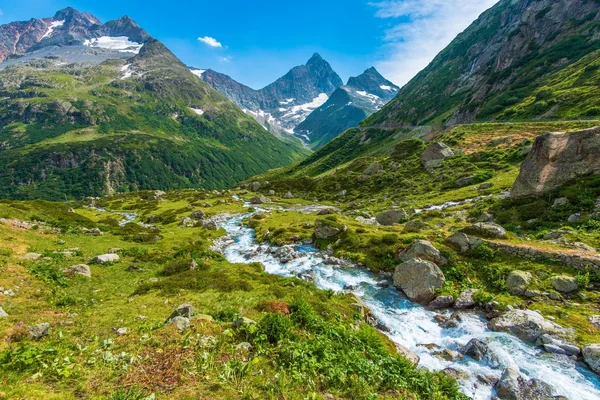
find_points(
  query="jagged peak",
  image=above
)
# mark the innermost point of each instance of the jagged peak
(316, 58)
(68, 14)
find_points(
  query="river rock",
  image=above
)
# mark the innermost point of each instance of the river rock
(107, 259)
(424, 250)
(591, 355)
(517, 282)
(441, 302)
(479, 351)
(557, 158)
(325, 229)
(463, 242)
(419, 279)
(79, 269)
(435, 154)
(39, 331)
(525, 324)
(465, 300)
(564, 283)
(553, 345)
(184, 310)
(486, 230)
(408, 354)
(389, 218)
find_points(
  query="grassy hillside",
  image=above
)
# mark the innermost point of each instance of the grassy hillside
(68, 131)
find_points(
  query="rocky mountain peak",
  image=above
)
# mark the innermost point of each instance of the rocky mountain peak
(73, 17)
(371, 81)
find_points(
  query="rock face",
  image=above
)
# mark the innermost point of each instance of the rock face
(389, 218)
(557, 158)
(419, 280)
(424, 250)
(517, 282)
(435, 154)
(525, 324)
(564, 283)
(591, 355)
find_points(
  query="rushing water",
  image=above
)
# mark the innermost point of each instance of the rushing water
(413, 326)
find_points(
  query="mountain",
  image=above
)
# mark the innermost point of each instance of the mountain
(285, 103)
(362, 96)
(92, 109)
(521, 59)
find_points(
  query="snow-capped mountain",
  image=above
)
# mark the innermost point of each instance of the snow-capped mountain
(72, 35)
(362, 96)
(284, 104)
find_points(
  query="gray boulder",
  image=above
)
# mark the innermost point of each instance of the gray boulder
(39, 331)
(373, 169)
(591, 355)
(3, 313)
(184, 310)
(463, 242)
(260, 200)
(525, 324)
(478, 350)
(327, 229)
(389, 218)
(107, 259)
(408, 354)
(564, 283)
(486, 230)
(415, 226)
(517, 282)
(464, 181)
(198, 214)
(182, 323)
(255, 186)
(556, 235)
(419, 279)
(31, 257)
(512, 386)
(557, 158)
(465, 299)
(441, 302)
(289, 195)
(79, 269)
(424, 250)
(435, 154)
(562, 201)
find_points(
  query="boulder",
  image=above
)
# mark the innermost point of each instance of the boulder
(478, 350)
(441, 302)
(182, 323)
(389, 218)
(485, 217)
(31, 257)
(260, 200)
(513, 386)
(463, 242)
(423, 250)
(591, 355)
(39, 331)
(553, 345)
(557, 158)
(595, 320)
(415, 226)
(561, 201)
(3, 313)
(435, 154)
(107, 259)
(486, 230)
(238, 323)
(187, 222)
(525, 324)
(408, 354)
(289, 195)
(373, 169)
(114, 250)
(464, 181)
(556, 235)
(184, 310)
(255, 186)
(93, 232)
(326, 211)
(419, 279)
(325, 229)
(517, 282)
(79, 269)
(198, 214)
(465, 299)
(210, 225)
(564, 283)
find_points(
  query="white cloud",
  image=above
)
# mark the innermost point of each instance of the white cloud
(421, 29)
(225, 59)
(210, 41)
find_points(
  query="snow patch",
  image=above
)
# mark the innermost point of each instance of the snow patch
(125, 69)
(385, 87)
(282, 109)
(308, 107)
(369, 96)
(197, 110)
(52, 27)
(198, 72)
(286, 102)
(119, 43)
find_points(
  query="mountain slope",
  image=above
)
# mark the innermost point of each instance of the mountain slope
(499, 62)
(283, 104)
(144, 122)
(347, 107)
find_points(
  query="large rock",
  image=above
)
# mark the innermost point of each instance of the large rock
(486, 230)
(517, 282)
(408, 354)
(512, 386)
(373, 169)
(424, 250)
(419, 279)
(435, 153)
(32, 256)
(39, 331)
(325, 229)
(184, 310)
(557, 158)
(3, 313)
(525, 324)
(260, 200)
(79, 269)
(107, 259)
(465, 299)
(441, 302)
(591, 355)
(463, 242)
(479, 351)
(564, 283)
(389, 218)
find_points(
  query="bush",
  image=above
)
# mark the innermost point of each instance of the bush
(482, 252)
(275, 327)
(228, 314)
(582, 280)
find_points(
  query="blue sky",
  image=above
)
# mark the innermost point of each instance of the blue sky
(261, 40)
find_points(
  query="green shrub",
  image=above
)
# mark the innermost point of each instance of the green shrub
(582, 280)
(275, 327)
(482, 252)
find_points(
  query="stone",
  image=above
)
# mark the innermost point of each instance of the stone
(465, 300)
(486, 230)
(575, 218)
(441, 302)
(591, 355)
(564, 283)
(408, 354)
(93, 232)
(243, 347)
(556, 235)
(255, 186)
(557, 158)
(198, 214)
(373, 169)
(423, 250)
(485, 186)
(121, 331)
(271, 193)
(289, 195)
(325, 229)
(419, 279)
(182, 323)
(107, 259)
(415, 226)
(79, 269)
(525, 324)
(260, 200)
(463, 242)
(464, 181)
(238, 323)
(3, 313)
(389, 218)
(31, 257)
(595, 320)
(517, 282)
(210, 225)
(478, 350)
(562, 201)
(485, 217)
(435, 154)
(114, 250)
(326, 211)
(507, 388)
(184, 310)
(39, 331)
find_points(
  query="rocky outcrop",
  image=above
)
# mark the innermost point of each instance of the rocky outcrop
(435, 154)
(591, 355)
(184, 310)
(419, 279)
(513, 386)
(325, 229)
(564, 283)
(463, 242)
(525, 324)
(557, 158)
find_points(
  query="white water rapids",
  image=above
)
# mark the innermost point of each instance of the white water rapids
(412, 326)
